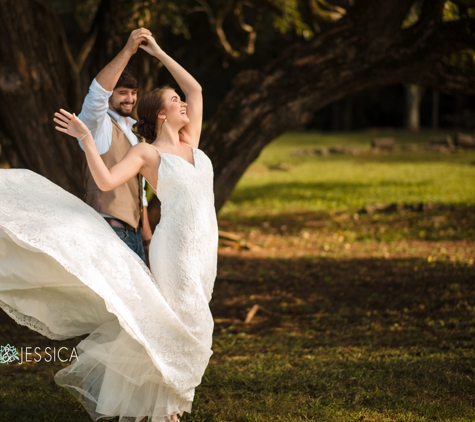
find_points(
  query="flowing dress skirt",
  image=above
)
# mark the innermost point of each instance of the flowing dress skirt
(64, 273)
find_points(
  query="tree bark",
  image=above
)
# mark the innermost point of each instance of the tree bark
(347, 58)
(435, 109)
(35, 81)
(342, 114)
(414, 94)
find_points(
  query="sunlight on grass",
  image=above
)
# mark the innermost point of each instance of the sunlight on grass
(347, 182)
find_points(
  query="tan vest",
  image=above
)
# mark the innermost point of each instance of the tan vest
(125, 201)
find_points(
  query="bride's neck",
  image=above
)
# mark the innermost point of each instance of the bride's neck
(168, 136)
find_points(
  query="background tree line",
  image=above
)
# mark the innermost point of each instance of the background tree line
(266, 66)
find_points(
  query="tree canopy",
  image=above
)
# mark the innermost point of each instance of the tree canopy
(305, 55)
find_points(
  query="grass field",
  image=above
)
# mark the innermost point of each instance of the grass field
(342, 182)
(362, 316)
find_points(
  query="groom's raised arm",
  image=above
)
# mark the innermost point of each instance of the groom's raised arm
(94, 115)
(96, 103)
(108, 77)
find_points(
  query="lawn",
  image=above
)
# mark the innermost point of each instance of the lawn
(348, 182)
(362, 316)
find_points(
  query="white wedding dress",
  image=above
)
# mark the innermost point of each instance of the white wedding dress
(64, 273)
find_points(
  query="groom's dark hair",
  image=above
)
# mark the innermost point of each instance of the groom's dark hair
(128, 78)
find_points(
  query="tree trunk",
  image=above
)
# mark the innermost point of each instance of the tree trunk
(35, 81)
(414, 94)
(342, 114)
(435, 109)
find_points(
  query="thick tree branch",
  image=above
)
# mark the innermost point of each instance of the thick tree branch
(87, 47)
(90, 41)
(339, 62)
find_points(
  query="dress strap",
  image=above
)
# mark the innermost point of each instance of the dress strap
(155, 148)
(155, 190)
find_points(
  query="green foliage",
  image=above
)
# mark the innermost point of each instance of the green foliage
(413, 15)
(319, 11)
(464, 59)
(456, 9)
(450, 11)
(290, 18)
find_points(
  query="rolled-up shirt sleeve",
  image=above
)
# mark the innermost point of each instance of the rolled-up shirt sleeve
(94, 115)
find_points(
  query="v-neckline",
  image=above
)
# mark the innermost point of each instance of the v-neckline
(173, 155)
(181, 158)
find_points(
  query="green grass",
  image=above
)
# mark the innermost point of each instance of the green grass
(362, 317)
(347, 182)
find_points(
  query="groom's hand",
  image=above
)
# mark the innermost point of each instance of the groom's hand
(136, 38)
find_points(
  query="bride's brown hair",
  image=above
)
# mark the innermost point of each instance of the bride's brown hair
(148, 108)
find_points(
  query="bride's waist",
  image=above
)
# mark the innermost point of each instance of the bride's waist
(187, 220)
(176, 212)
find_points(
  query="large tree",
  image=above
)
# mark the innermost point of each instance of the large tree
(347, 46)
(36, 78)
(368, 46)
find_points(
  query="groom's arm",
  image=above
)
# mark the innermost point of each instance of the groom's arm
(94, 115)
(96, 103)
(107, 78)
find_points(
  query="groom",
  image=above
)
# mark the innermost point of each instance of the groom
(106, 111)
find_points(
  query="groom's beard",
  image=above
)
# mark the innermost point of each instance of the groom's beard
(125, 113)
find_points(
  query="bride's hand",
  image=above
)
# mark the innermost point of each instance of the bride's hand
(70, 124)
(151, 47)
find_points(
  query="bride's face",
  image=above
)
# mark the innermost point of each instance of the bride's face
(175, 109)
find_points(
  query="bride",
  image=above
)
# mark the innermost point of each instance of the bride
(150, 333)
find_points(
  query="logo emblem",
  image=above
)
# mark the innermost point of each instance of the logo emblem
(8, 354)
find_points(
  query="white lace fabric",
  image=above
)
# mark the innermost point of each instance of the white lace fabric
(64, 272)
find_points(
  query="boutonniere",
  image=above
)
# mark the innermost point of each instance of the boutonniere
(139, 137)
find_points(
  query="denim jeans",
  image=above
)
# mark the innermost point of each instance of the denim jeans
(132, 240)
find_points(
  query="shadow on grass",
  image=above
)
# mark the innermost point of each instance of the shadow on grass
(439, 223)
(334, 340)
(317, 191)
(353, 302)
(340, 340)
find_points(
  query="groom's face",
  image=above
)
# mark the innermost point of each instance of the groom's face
(123, 100)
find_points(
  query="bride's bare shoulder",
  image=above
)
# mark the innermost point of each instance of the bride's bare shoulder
(146, 152)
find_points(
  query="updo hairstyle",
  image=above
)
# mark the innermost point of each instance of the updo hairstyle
(148, 108)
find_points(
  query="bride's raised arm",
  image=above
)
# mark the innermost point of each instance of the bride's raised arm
(106, 179)
(190, 87)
